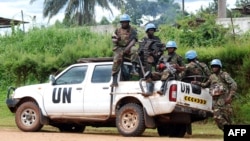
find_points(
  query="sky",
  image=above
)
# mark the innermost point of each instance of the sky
(12, 9)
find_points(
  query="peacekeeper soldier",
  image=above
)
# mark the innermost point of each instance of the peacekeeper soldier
(195, 70)
(150, 50)
(222, 88)
(124, 39)
(174, 60)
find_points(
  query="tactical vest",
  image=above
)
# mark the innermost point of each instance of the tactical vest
(124, 36)
(147, 51)
(174, 59)
(218, 86)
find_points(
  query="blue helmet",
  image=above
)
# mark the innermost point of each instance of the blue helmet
(150, 26)
(171, 44)
(216, 62)
(125, 18)
(191, 54)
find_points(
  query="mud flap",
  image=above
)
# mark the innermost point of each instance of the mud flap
(189, 129)
(43, 120)
(149, 121)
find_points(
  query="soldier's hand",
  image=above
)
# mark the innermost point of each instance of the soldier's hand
(126, 51)
(228, 100)
(161, 66)
(176, 66)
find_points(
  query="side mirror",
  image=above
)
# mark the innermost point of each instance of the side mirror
(52, 79)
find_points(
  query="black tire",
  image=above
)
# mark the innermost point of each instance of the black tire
(130, 120)
(163, 130)
(178, 130)
(28, 117)
(71, 128)
(172, 130)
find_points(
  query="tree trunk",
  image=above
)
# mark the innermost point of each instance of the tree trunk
(222, 9)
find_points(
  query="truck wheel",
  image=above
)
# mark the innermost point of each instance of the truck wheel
(178, 130)
(28, 117)
(72, 128)
(163, 130)
(130, 120)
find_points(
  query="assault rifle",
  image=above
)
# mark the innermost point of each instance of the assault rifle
(170, 68)
(150, 47)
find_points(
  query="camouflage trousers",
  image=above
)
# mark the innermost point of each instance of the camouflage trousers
(222, 112)
(119, 55)
(166, 74)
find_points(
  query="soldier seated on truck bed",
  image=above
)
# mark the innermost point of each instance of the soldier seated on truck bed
(174, 60)
(195, 70)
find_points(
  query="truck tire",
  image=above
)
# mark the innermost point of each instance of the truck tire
(130, 120)
(163, 130)
(178, 130)
(172, 130)
(28, 117)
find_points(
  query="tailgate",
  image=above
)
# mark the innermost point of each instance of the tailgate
(193, 96)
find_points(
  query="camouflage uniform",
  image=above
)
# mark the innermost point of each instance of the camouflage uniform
(172, 59)
(198, 69)
(150, 50)
(221, 86)
(124, 38)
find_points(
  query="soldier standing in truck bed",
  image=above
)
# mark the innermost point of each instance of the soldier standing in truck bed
(150, 50)
(124, 39)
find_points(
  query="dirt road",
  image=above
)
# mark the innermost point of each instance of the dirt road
(13, 134)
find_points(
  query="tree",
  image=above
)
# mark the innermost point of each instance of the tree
(79, 12)
(241, 3)
(212, 8)
(160, 11)
(104, 21)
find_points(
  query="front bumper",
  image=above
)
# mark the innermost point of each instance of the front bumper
(11, 103)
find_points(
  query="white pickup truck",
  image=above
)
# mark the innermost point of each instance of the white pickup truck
(81, 96)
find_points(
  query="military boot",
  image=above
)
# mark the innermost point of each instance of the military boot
(114, 83)
(162, 88)
(133, 71)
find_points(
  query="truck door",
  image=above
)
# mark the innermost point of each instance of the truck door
(97, 92)
(65, 97)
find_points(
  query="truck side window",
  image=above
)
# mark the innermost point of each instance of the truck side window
(74, 75)
(102, 74)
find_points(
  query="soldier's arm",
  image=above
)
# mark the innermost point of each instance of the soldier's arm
(204, 85)
(232, 87)
(231, 83)
(129, 46)
(180, 66)
(133, 40)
